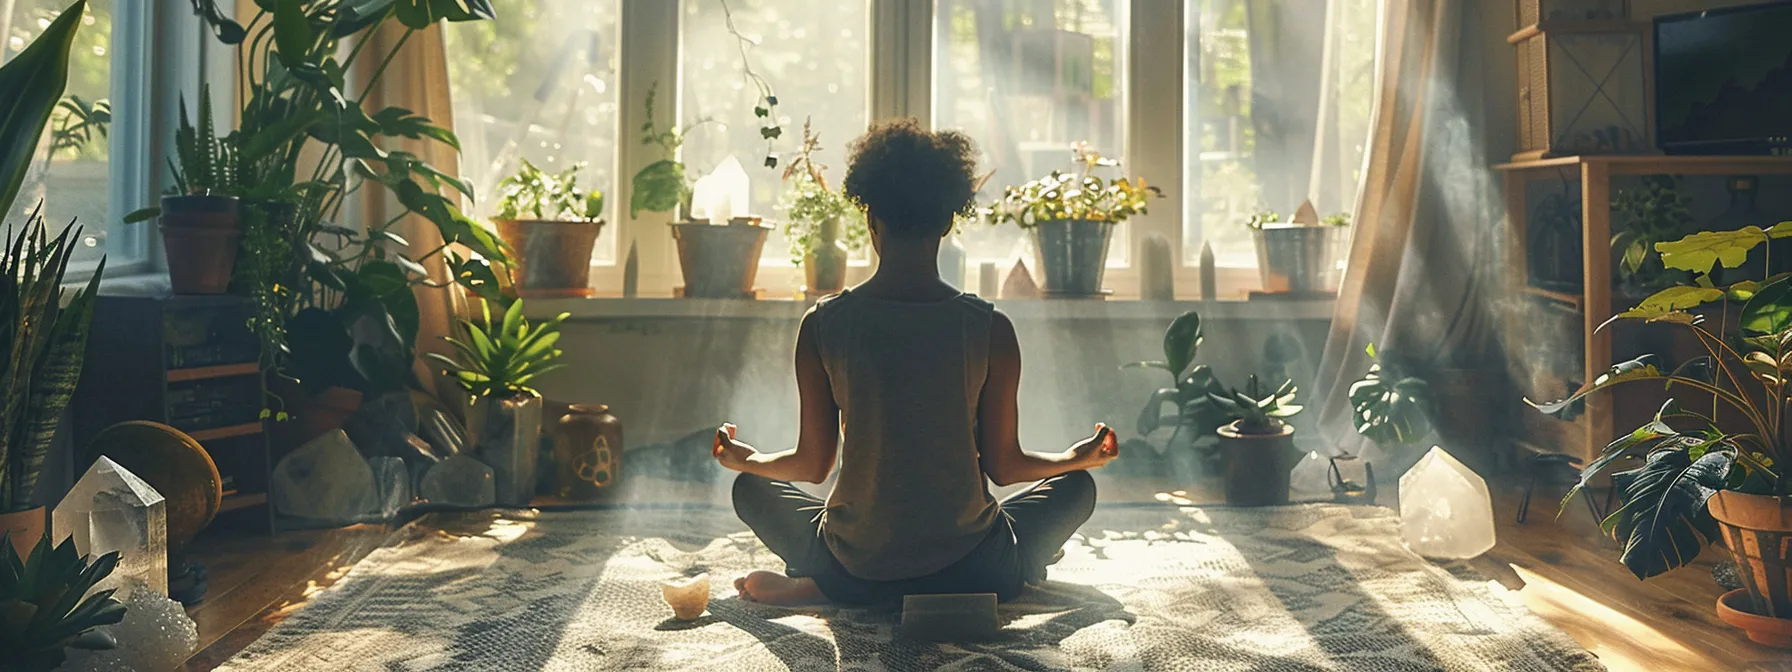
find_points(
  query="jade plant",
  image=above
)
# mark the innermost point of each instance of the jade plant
(1080, 195)
(1255, 410)
(1724, 426)
(500, 356)
(533, 193)
(45, 605)
(1390, 409)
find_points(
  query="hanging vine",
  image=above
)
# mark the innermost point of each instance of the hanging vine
(766, 109)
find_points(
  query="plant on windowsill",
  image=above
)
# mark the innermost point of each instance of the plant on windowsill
(495, 362)
(45, 606)
(551, 225)
(1299, 255)
(201, 221)
(1196, 416)
(1257, 447)
(1719, 472)
(824, 226)
(45, 341)
(1072, 218)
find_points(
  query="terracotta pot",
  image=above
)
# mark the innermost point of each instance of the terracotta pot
(1736, 608)
(313, 415)
(1256, 466)
(25, 527)
(587, 452)
(1758, 531)
(551, 256)
(200, 235)
(720, 262)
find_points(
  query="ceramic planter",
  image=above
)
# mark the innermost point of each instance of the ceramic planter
(553, 257)
(1256, 466)
(720, 261)
(200, 235)
(587, 452)
(1073, 256)
(25, 528)
(506, 435)
(1300, 259)
(1758, 531)
(824, 269)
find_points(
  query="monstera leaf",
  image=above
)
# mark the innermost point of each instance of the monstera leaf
(1663, 523)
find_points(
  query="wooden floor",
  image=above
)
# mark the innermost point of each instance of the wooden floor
(1563, 570)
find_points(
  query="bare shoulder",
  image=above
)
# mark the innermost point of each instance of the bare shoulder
(1004, 345)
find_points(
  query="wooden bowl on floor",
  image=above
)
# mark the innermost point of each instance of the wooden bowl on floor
(1735, 608)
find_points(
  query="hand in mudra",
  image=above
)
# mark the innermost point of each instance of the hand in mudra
(1098, 450)
(730, 453)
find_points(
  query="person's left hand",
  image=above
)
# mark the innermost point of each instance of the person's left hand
(730, 453)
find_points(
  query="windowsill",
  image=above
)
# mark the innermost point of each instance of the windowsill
(1019, 309)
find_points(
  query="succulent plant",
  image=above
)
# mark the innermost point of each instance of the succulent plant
(501, 356)
(44, 605)
(1256, 412)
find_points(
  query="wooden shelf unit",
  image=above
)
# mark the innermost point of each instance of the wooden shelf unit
(1594, 428)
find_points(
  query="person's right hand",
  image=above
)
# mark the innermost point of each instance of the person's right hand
(730, 452)
(1098, 450)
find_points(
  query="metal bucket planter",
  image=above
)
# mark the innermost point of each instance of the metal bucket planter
(1256, 466)
(1073, 256)
(554, 257)
(720, 261)
(199, 237)
(506, 434)
(1300, 259)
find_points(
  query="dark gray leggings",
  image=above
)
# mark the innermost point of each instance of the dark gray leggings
(1034, 526)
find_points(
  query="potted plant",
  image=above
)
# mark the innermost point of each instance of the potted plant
(1299, 256)
(552, 226)
(45, 341)
(823, 226)
(495, 363)
(1196, 415)
(1652, 213)
(45, 605)
(200, 215)
(1714, 472)
(1072, 218)
(1257, 449)
(1392, 410)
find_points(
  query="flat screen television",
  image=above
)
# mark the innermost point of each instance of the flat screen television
(1723, 80)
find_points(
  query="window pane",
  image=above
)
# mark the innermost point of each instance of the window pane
(69, 173)
(1278, 97)
(1026, 80)
(815, 57)
(539, 84)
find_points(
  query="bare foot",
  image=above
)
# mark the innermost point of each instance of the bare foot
(773, 588)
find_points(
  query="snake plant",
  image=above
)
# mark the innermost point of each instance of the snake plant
(45, 606)
(500, 357)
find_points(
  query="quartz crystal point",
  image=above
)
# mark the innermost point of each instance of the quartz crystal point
(1445, 511)
(325, 480)
(110, 509)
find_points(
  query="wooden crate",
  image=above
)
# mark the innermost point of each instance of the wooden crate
(1533, 12)
(1583, 89)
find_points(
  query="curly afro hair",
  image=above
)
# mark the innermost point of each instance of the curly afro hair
(911, 180)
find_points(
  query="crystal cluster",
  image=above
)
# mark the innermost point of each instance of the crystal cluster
(156, 634)
(111, 509)
(1445, 511)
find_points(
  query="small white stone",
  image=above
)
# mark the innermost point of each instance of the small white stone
(1445, 510)
(687, 596)
(111, 509)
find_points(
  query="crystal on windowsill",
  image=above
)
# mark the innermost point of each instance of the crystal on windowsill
(1445, 510)
(111, 509)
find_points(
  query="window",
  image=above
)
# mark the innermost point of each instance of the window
(1278, 111)
(814, 55)
(70, 175)
(540, 85)
(1026, 81)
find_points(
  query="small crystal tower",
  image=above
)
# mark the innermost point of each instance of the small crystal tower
(1445, 511)
(110, 509)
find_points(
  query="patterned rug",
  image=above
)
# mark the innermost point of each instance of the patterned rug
(1315, 587)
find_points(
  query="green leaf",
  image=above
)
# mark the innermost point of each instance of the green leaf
(1181, 341)
(292, 33)
(1699, 251)
(1622, 372)
(1669, 300)
(419, 14)
(1769, 311)
(659, 187)
(1663, 523)
(30, 84)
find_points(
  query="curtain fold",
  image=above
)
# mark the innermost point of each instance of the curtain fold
(1423, 260)
(417, 79)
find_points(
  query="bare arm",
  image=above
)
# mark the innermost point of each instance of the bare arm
(818, 439)
(998, 422)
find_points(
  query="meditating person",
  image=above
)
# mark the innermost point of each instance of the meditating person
(926, 380)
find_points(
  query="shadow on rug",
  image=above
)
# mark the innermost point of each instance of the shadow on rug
(1316, 587)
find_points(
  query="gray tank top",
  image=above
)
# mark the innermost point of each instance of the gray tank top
(911, 498)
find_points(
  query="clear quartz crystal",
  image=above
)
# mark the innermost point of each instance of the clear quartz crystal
(110, 509)
(156, 634)
(1445, 511)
